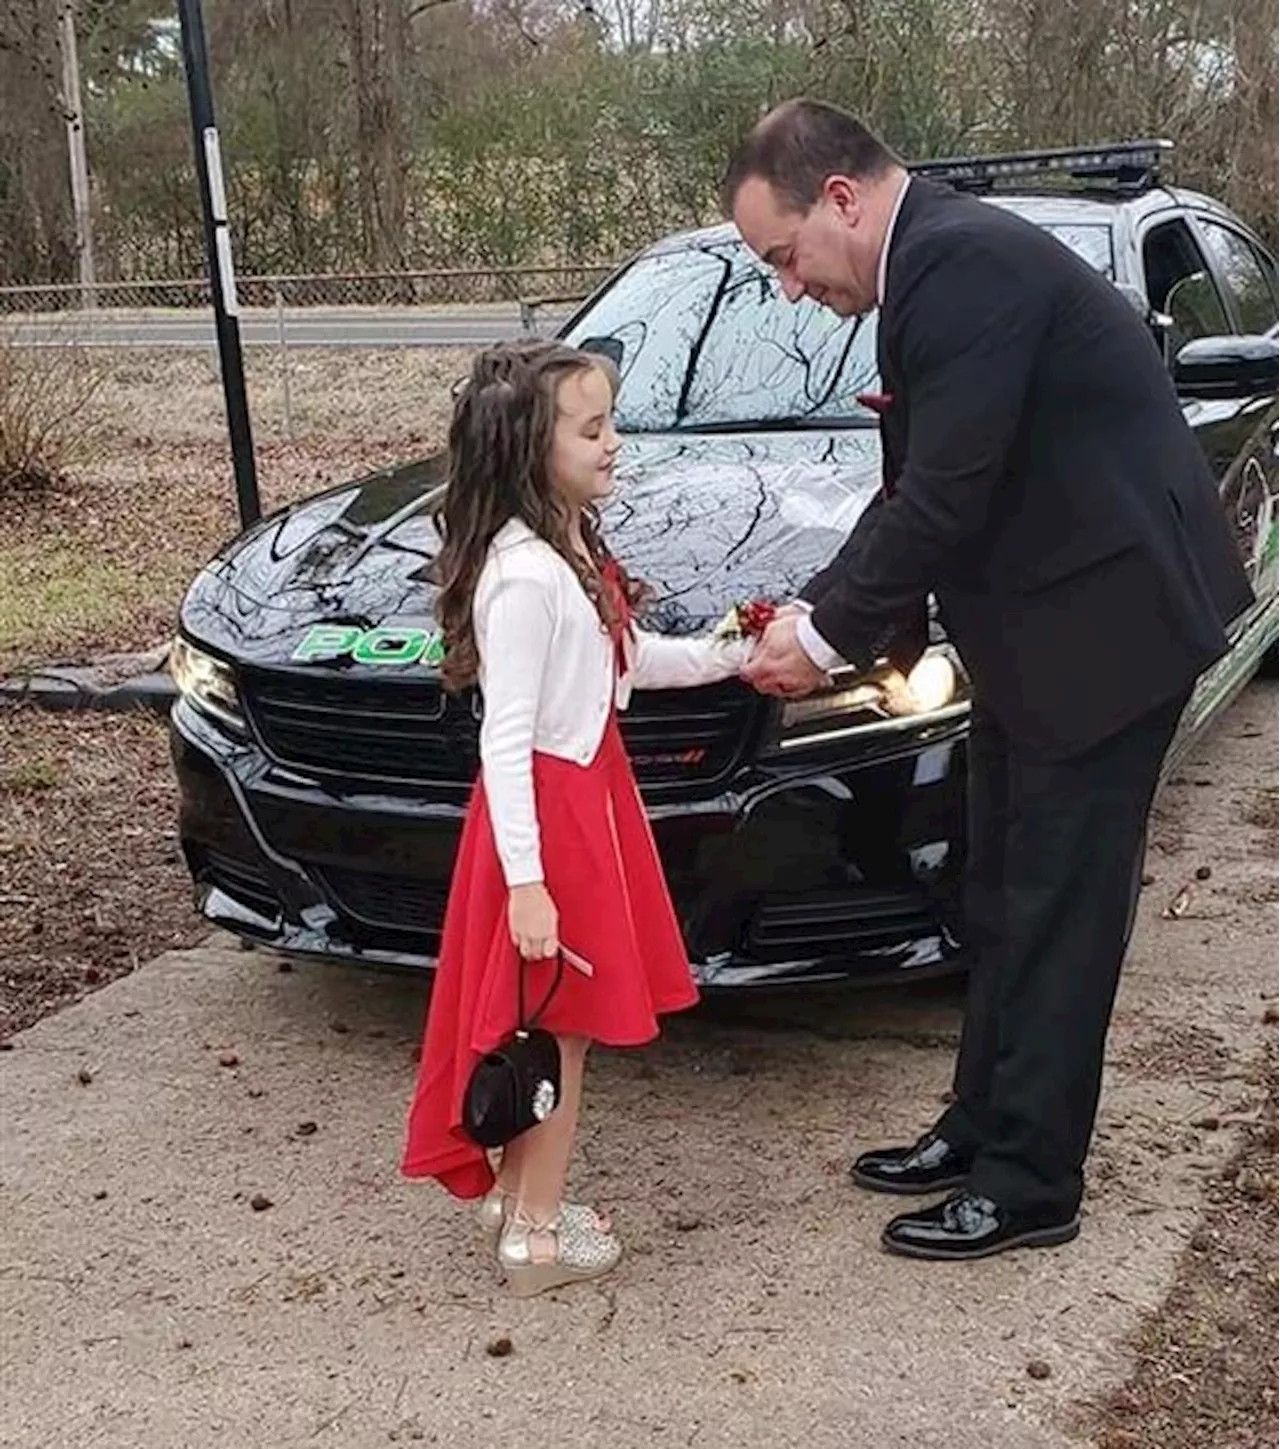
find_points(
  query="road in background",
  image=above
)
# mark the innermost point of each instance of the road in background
(454, 326)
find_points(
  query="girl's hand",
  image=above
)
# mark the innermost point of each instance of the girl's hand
(534, 921)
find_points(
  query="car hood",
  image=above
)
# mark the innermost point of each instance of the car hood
(705, 520)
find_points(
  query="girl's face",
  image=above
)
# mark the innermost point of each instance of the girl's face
(585, 442)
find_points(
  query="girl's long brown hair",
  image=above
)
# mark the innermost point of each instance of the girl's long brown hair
(499, 453)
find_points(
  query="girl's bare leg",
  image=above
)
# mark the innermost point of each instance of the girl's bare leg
(509, 1171)
(508, 1175)
(542, 1153)
(542, 1246)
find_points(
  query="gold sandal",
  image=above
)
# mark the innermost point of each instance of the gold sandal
(582, 1252)
(496, 1205)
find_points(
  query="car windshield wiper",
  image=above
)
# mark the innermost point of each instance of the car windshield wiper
(808, 424)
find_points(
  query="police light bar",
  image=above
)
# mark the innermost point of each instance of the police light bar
(1132, 165)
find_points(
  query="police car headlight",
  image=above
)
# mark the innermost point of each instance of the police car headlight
(208, 683)
(878, 702)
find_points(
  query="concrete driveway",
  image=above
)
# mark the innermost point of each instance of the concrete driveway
(149, 1305)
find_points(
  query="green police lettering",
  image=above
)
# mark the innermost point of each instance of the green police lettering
(390, 646)
(326, 641)
(386, 645)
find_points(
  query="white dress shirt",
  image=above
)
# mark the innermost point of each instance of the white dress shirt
(548, 675)
(813, 644)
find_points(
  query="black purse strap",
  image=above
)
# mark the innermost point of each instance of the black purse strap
(521, 1023)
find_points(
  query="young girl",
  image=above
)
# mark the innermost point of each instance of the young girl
(556, 851)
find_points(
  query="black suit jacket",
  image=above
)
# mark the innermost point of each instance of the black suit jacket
(1040, 479)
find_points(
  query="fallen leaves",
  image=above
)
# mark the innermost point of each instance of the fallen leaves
(1205, 1363)
(73, 919)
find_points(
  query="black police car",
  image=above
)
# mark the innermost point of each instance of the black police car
(324, 772)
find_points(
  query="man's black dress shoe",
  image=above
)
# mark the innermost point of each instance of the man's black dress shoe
(929, 1165)
(968, 1226)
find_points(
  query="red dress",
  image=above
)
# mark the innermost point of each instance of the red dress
(603, 873)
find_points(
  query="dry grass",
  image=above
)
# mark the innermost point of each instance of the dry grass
(342, 395)
(100, 562)
(48, 421)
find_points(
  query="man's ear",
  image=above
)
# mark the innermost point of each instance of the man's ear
(844, 193)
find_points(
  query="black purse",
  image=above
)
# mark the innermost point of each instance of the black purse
(517, 1085)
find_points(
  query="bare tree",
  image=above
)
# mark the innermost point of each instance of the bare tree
(37, 229)
(385, 133)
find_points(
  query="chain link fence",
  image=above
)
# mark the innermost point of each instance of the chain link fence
(456, 286)
(359, 355)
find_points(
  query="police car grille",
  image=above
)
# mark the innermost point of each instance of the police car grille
(387, 902)
(415, 732)
(365, 731)
(676, 735)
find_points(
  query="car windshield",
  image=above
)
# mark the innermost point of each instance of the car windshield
(1090, 240)
(706, 342)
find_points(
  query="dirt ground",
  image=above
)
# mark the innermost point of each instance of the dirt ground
(77, 791)
(1205, 1362)
(1176, 1346)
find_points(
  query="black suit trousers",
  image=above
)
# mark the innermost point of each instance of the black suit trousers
(1055, 859)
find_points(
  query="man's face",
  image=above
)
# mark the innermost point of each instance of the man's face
(821, 253)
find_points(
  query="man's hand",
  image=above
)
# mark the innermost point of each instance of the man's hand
(779, 664)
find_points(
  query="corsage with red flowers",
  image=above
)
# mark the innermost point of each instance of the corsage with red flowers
(746, 621)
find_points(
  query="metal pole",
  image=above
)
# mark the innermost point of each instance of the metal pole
(282, 343)
(217, 238)
(73, 111)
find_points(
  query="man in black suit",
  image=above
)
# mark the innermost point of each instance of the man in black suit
(1040, 480)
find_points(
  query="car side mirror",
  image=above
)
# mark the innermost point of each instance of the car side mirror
(1226, 367)
(610, 347)
(1160, 324)
(1136, 298)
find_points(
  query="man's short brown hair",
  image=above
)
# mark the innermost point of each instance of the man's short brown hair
(797, 146)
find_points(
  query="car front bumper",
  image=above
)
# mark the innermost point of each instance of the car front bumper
(845, 868)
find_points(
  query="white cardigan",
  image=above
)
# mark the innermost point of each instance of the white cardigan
(548, 676)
